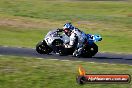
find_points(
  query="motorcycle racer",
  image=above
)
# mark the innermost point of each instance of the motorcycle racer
(77, 38)
(69, 41)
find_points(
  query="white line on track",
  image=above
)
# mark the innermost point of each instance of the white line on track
(19, 47)
(53, 59)
(64, 60)
(105, 63)
(91, 62)
(5, 46)
(1, 55)
(39, 58)
(113, 64)
(78, 61)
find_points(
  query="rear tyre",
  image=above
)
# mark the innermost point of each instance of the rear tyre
(93, 49)
(86, 52)
(43, 48)
(89, 50)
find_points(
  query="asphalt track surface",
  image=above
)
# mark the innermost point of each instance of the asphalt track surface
(99, 57)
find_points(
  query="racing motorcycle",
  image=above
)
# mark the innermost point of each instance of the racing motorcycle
(55, 40)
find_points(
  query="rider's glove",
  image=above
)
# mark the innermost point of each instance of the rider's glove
(67, 46)
(59, 30)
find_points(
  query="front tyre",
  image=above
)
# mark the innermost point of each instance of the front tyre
(43, 48)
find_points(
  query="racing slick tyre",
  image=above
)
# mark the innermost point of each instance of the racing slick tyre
(43, 48)
(93, 49)
(86, 52)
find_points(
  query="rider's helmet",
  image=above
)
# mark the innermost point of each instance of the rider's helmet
(68, 28)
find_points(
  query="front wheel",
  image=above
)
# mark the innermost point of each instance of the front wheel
(43, 48)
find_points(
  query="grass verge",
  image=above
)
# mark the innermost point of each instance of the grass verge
(27, 72)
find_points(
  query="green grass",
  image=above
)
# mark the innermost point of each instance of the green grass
(24, 23)
(67, 10)
(25, 38)
(27, 72)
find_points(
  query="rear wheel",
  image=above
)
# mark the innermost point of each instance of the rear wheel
(43, 48)
(86, 52)
(89, 50)
(93, 49)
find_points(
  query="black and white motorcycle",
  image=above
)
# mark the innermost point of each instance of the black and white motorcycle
(54, 42)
